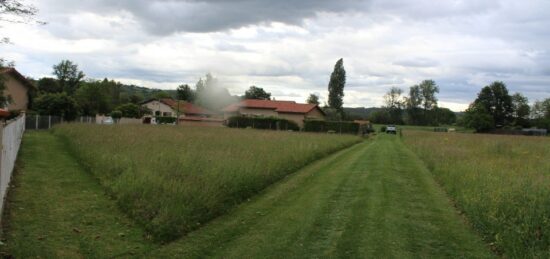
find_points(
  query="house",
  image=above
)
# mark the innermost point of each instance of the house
(189, 114)
(168, 107)
(289, 110)
(16, 87)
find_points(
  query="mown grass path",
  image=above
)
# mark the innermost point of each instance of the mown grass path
(373, 200)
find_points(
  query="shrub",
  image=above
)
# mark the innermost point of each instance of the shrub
(336, 126)
(165, 120)
(383, 129)
(116, 114)
(273, 123)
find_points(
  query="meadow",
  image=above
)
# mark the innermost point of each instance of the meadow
(501, 183)
(171, 180)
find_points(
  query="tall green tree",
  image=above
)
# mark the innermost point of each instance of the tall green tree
(313, 99)
(413, 103)
(394, 105)
(479, 118)
(255, 92)
(428, 90)
(497, 102)
(68, 76)
(185, 93)
(336, 87)
(94, 98)
(520, 105)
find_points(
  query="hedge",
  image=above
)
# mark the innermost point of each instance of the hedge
(165, 120)
(335, 126)
(272, 123)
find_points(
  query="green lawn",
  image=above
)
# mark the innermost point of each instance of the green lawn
(375, 199)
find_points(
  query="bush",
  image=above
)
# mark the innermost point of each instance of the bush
(116, 114)
(129, 110)
(336, 126)
(272, 123)
(58, 104)
(165, 120)
(383, 129)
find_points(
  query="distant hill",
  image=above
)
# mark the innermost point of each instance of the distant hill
(360, 112)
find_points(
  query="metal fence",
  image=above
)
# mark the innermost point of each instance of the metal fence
(12, 132)
(39, 122)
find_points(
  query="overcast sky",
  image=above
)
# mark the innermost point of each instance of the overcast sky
(290, 47)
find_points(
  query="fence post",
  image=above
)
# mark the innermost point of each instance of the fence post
(36, 122)
(49, 121)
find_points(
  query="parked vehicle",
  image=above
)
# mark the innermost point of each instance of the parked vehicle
(108, 121)
(391, 129)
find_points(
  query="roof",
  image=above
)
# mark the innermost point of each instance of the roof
(278, 106)
(13, 72)
(184, 107)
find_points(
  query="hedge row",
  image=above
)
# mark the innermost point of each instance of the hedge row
(332, 126)
(165, 120)
(272, 123)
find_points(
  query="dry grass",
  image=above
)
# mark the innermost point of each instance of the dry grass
(502, 183)
(173, 179)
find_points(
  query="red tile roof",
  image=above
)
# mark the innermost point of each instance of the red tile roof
(278, 106)
(186, 107)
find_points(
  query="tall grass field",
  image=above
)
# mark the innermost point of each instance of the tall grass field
(501, 183)
(173, 179)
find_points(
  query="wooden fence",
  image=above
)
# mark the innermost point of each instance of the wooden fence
(12, 133)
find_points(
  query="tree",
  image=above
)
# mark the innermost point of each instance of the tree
(497, 102)
(48, 85)
(185, 93)
(428, 89)
(394, 105)
(478, 118)
(68, 76)
(521, 110)
(313, 99)
(257, 93)
(58, 104)
(129, 110)
(211, 95)
(94, 98)
(443, 116)
(540, 112)
(336, 87)
(159, 94)
(413, 103)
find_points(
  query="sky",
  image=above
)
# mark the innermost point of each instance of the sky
(289, 48)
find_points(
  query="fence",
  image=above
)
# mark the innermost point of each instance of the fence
(12, 132)
(36, 122)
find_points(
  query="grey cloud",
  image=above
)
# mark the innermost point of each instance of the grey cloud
(418, 62)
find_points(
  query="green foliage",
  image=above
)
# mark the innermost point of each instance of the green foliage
(165, 120)
(421, 102)
(116, 114)
(383, 129)
(497, 102)
(94, 97)
(4, 99)
(336, 87)
(68, 76)
(130, 110)
(332, 114)
(48, 85)
(394, 105)
(58, 104)
(185, 93)
(344, 127)
(520, 106)
(478, 118)
(272, 123)
(257, 93)
(174, 179)
(313, 99)
(500, 183)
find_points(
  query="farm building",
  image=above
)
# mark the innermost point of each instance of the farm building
(190, 114)
(16, 87)
(289, 110)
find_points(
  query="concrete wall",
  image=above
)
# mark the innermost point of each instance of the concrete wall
(164, 109)
(129, 121)
(201, 123)
(258, 112)
(296, 117)
(18, 93)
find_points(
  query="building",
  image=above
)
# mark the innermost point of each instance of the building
(168, 107)
(17, 87)
(289, 110)
(189, 114)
